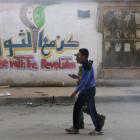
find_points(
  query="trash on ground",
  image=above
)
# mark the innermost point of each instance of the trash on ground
(7, 86)
(5, 94)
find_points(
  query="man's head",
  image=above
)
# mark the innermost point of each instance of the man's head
(77, 58)
(82, 55)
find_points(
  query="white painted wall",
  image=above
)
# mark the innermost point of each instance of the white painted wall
(61, 19)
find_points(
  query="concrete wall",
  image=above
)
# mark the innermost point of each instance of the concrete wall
(27, 58)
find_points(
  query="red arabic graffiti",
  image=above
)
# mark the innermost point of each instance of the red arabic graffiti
(23, 62)
(27, 62)
(4, 64)
(61, 63)
(19, 62)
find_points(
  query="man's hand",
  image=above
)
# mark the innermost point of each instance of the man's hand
(73, 94)
(74, 76)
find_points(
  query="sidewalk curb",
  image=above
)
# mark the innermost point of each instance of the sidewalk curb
(64, 100)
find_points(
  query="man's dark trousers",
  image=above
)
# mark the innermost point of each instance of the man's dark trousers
(88, 96)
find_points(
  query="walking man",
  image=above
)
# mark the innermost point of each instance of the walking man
(85, 109)
(86, 89)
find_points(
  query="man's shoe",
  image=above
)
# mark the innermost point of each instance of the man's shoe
(95, 133)
(72, 130)
(82, 126)
(102, 119)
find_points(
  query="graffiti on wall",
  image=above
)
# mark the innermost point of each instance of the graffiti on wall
(27, 62)
(44, 44)
(33, 43)
(19, 62)
(121, 38)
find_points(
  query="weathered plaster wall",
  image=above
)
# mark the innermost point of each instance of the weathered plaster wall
(27, 58)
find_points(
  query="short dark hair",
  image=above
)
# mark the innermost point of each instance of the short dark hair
(84, 51)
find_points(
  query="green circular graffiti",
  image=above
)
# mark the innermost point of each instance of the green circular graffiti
(39, 16)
